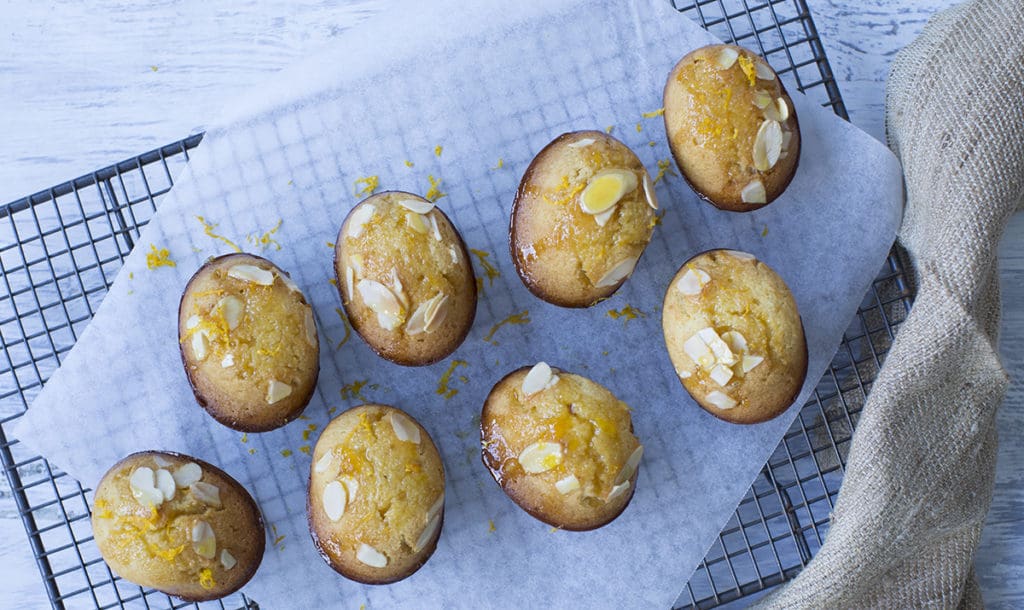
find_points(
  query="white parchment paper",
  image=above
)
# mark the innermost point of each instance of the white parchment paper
(487, 81)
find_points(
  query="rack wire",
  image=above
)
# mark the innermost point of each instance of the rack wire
(61, 248)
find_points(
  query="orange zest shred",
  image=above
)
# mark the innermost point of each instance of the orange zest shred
(626, 314)
(490, 526)
(208, 228)
(159, 257)
(435, 192)
(489, 270)
(286, 453)
(664, 169)
(501, 163)
(654, 113)
(438, 150)
(748, 68)
(442, 384)
(206, 580)
(609, 128)
(370, 184)
(522, 317)
(409, 163)
(348, 327)
(354, 390)
(267, 239)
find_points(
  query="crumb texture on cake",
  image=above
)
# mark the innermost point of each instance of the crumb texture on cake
(404, 278)
(249, 342)
(177, 524)
(734, 336)
(731, 127)
(561, 446)
(376, 494)
(583, 215)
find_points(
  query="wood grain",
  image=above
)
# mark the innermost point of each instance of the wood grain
(85, 84)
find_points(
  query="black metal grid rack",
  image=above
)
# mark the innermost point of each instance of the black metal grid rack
(61, 248)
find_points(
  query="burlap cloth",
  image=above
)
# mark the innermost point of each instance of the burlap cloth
(919, 479)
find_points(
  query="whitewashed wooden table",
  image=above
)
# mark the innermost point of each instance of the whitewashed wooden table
(85, 84)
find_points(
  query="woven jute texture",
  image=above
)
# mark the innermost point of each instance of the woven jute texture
(919, 478)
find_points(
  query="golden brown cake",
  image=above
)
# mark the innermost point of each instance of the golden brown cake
(732, 127)
(560, 446)
(376, 494)
(177, 524)
(734, 336)
(583, 215)
(248, 342)
(404, 278)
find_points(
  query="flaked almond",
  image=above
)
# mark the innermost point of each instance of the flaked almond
(277, 390)
(427, 534)
(767, 145)
(324, 463)
(617, 273)
(684, 374)
(763, 70)
(693, 281)
(204, 542)
(754, 192)
(419, 206)
(429, 315)
(741, 255)
(762, 99)
(351, 487)
(567, 485)
(398, 289)
(334, 500)
(357, 221)
(603, 218)
(720, 374)
(289, 283)
(699, 352)
(435, 228)
(165, 483)
(453, 254)
(649, 194)
(356, 260)
(405, 430)
(632, 462)
(749, 362)
(350, 282)
(142, 483)
(371, 556)
(192, 322)
(162, 462)
(187, 474)
(227, 560)
(720, 348)
(606, 188)
(436, 508)
(727, 58)
(200, 347)
(252, 273)
(416, 222)
(309, 323)
(736, 341)
(437, 312)
(206, 493)
(537, 379)
(232, 308)
(382, 302)
(617, 491)
(787, 138)
(227, 361)
(783, 108)
(540, 457)
(720, 400)
(583, 143)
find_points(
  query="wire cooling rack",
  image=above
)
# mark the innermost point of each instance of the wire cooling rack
(61, 248)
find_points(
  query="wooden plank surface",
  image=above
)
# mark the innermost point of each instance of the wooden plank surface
(85, 84)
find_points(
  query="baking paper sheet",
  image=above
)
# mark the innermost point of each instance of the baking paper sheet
(492, 83)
